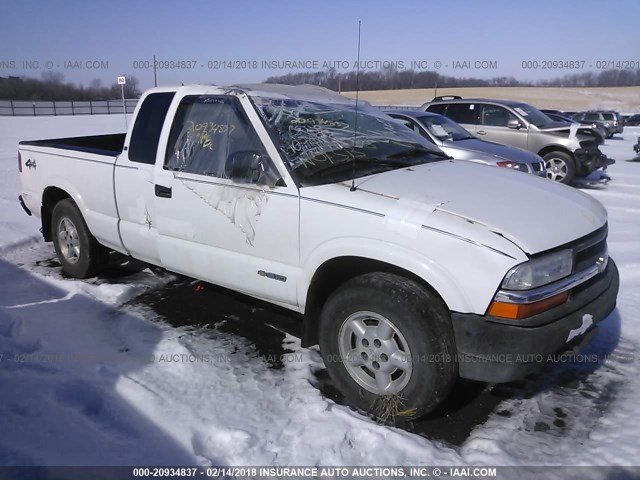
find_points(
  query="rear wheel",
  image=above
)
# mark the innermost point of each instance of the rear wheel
(388, 345)
(79, 253)
(560, 167)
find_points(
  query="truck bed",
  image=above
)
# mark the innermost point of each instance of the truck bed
(110, 145)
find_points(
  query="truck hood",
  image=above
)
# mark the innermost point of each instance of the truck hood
(496, 150)
(534, 213)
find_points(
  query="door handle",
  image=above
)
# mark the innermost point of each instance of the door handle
(163, 192)
(481, 132)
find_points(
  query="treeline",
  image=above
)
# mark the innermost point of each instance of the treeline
(52, 87)
(392, 79)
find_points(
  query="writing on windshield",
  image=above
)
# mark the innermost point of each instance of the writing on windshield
(317, 136)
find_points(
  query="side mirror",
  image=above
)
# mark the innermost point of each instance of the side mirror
(246, 166)
(514, 124)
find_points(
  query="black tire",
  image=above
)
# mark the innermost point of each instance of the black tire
(560, 167)
(423, 321)
(90, 257)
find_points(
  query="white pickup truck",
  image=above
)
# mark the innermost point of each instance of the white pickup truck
(409, 269)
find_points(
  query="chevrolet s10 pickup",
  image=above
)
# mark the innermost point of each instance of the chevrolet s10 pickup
(408, 268)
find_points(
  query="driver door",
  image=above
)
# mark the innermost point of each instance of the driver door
(493, 126)
(224, 214)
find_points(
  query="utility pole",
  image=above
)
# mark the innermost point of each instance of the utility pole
(122, 81)
(155, 76)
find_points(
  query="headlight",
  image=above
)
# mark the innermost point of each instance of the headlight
(539, 271)
(514, 166)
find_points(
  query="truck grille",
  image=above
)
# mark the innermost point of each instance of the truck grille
(590, 255)
(589, 249)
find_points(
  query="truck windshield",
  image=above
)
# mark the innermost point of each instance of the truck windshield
(325, 143)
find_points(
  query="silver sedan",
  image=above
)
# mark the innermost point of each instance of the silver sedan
(458, 143)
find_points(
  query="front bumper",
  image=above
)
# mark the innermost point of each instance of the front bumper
(591, 159)
(496, 351)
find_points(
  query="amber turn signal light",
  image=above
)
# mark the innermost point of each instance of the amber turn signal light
(516, 311)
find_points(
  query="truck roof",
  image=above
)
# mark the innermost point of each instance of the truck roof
(311, 93)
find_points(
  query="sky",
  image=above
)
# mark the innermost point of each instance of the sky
(227, 42)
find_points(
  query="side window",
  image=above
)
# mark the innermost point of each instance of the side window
(462, 112)
(592, 117)
(416, 128)
(437, 108)
(146, 131)
(495, 116)
(211, 135)
(406, 122)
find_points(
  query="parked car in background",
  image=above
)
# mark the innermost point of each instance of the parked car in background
(633, 121)
(611, 122)
(458, 143)
(568, 152)
(554, 112)
(618, 122)
(557, 117)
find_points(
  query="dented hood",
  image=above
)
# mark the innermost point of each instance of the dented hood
(534, 213)
(585, 131)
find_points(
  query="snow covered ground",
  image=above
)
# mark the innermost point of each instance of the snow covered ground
(88, 379)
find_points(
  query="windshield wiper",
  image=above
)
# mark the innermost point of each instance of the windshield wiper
(417, 152)
(470, 137)
(359, 163)
(369, 165)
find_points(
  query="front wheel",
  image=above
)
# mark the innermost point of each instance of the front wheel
(560, 167)
(388, 345)
(80, 254)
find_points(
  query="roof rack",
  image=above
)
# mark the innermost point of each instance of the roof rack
(446, 97)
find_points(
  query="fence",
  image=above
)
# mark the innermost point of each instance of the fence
(93, 107)
(22, 108)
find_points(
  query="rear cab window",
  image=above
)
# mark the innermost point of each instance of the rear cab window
(143, 145)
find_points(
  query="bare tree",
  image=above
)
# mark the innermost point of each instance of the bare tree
(392, 78)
